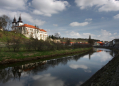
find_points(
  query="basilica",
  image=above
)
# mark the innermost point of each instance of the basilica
(28, 30)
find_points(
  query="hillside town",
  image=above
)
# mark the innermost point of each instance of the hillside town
(114, 43)
(59, 43)
(41, 34)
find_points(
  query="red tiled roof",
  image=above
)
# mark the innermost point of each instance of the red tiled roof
(99, 51)
(31, 26)
(43, 30)
(99, 42)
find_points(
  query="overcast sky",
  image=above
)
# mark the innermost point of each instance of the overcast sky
(70, 18)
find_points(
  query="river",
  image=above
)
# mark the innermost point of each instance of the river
(72, 70)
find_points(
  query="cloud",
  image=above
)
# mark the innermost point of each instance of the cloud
(78, 24)
(74, 66)
(115, 33)
(77, 35)
(13, 5)
(102, 5)
(29, 18)
(86, 56)
(116, 16)
(47, 80)
(81, 82)
(73, 34)
(89, 19)
(25, 17)
(48, 7)
(102, 17)
(55, 24)
(103, 35)
(111, 5)
(101, 56)
(87, 34)
(15, 83)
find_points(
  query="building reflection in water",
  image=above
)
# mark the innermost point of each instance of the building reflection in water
(16, 72)
(34, 68)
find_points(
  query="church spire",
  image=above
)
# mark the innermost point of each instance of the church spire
(14, 20)
(20, 20)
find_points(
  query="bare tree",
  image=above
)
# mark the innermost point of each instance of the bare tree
(57, 35)
(8, 44)
(5, 22)
(15, 44)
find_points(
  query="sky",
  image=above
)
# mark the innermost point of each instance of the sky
(69, 18)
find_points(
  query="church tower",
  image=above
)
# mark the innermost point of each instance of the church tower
(14, 23)
(19, 22)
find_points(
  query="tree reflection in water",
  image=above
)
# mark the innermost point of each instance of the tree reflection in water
(16, 72)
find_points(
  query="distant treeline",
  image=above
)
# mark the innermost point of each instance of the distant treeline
(64, 39)
(16, 44)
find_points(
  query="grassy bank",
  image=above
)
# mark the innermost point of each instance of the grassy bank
(5, 35)
(79, 55)
(20, 56)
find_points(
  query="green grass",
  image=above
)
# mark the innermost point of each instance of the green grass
(27, 54)
(38, 60)
(4, 35)
(75, 40)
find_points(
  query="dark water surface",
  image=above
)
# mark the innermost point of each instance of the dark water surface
(66, 71)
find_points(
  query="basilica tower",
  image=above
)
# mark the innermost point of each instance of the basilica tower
(14, 22)
(19, 22)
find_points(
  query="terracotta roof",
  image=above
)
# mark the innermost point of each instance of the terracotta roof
(42, 30)
(99, 51)
(99, 42)
(31, 26)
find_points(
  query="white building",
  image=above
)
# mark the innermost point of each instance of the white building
(1, 29)
(28, 30)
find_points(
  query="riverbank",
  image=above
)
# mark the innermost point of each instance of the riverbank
(12, 57)
(108, 75)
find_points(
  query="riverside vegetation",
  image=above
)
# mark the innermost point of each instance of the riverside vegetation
(19, 47)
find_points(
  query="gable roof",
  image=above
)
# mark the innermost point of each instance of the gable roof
(31, 26)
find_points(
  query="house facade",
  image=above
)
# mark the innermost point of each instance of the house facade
(115, 42)
(28, 30)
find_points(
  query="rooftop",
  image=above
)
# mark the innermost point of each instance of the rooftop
(31, 26)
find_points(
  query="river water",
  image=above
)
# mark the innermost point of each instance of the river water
(70, 70)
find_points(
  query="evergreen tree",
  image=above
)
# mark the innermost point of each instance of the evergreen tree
(90, 41)
(68, 42)
(52, 37)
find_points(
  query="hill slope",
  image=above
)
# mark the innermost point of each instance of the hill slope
(5, 35)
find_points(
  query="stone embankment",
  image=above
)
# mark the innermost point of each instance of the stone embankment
(107, 75)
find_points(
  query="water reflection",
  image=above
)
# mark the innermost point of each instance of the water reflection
(74, 66)
(65, 71)
(16, 72)
(46, 80)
